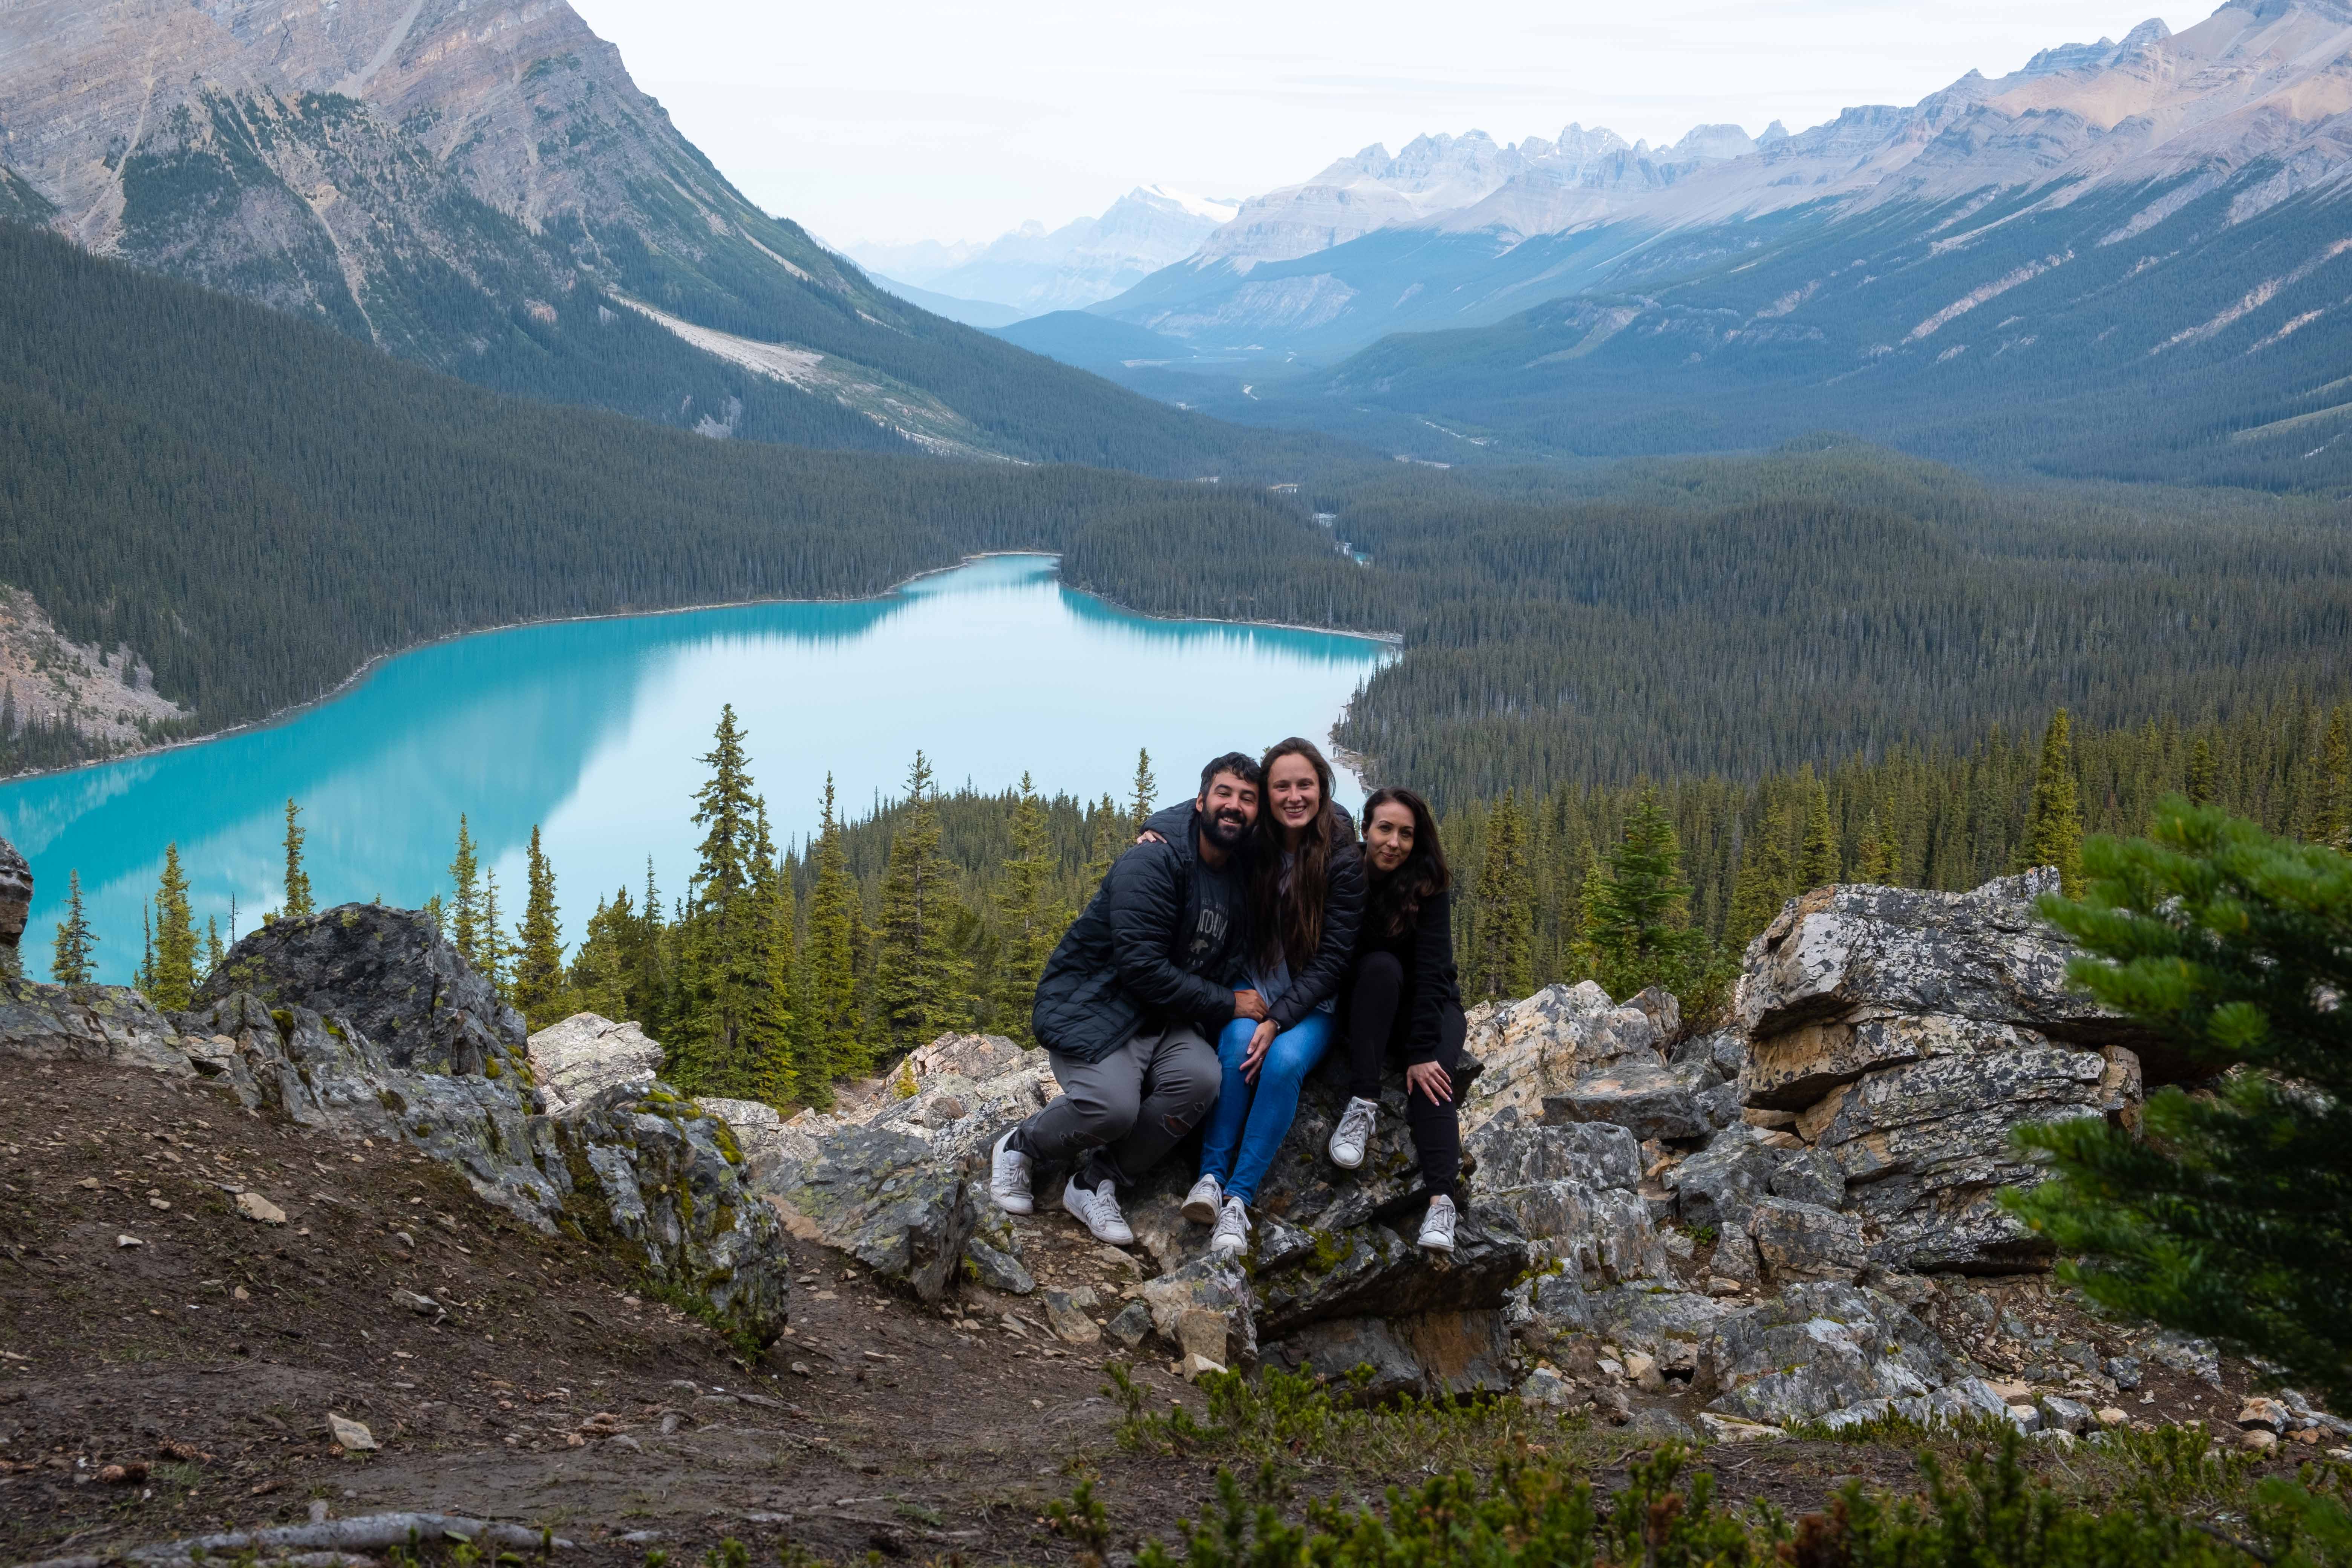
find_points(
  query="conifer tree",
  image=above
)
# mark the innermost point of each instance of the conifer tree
(172, 981)
(465, 905)
(1029, 921)
(1114, 835)
(1818, 862)
(785, 1056)
(1638, 916)
(2202, 773)
(921, 982)
(2053, 825)
(598, 977)
(1765, 880)
(720, 941)
(1503, 966)
(647, 962)
(1146, 790)
(829, 1003)
(1878, 855)
(297, 881)
(2331, 822)
(214, 951)
(539, 954)
(490, 943)
(143, 979)
(70, 963)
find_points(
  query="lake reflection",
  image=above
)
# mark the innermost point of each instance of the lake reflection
(591, 729)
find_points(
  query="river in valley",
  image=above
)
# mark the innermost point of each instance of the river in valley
(592, 729)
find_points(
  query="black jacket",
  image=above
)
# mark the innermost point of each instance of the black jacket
(1343, 907)
(1425, 949)
(1163, 942)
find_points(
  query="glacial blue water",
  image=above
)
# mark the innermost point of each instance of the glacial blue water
(592, 729)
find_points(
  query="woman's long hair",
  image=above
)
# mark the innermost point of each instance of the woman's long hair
(1392, 903)
(1291, 929)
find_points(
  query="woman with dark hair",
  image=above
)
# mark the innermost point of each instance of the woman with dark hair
(1404, 1000)
(1306, 893)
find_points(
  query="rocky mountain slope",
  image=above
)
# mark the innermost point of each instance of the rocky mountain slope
(482, 188)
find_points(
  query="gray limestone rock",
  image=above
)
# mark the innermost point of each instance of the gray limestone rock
(1717, 1186)
(1181, 1300)
(1131, 1325)
(1541, 1045)
(1432, 1354)
(1669, 1326)
(1513, 1149)
(579, 1058)
(1809, 1176)
(388, 974)
(15, 908)
(997, 1268)
(1967, 1401)
(1816, 1349)
(1645, 1098)
(1602, 1233)
(93, 1023)
(879, 1195)
(1796, 1242)
(1373, 1270)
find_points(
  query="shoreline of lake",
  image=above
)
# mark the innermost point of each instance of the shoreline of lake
(351, 682)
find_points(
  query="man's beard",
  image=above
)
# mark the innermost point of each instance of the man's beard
(1225, 829)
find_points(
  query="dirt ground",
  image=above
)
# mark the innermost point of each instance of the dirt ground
(168, 1366)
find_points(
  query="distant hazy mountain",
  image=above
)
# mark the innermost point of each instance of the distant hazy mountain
(982, 313)
(1084, 261)
(485, 190)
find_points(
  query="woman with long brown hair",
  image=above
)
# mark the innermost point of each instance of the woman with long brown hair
(1307, 892)
(1404, 1001)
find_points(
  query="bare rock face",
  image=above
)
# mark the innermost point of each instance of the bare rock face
(391, 974)
(577, 1058)
(1902, 1035)
(1547, 1042)
(16, 907)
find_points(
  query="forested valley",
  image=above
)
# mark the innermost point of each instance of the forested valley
(779, 970)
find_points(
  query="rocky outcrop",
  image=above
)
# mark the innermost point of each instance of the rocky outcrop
(635, 1169)
(1545, 1044)
(1904, 1035)
(884, 1197)
(579, 1058)
(15, 908)
(387, 972)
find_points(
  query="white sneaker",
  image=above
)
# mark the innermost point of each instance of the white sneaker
(1008, 1178)
(1203, 1204)
(1437, 1225)
(1232, 1233)
(1098, 1212)
(1354, 1133)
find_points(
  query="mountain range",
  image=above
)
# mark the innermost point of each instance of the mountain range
(2129, 257)
(1031, 271)
(482, 188)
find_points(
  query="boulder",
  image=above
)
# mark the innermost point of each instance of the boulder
(991, 1254)
(1796, 1242)
(1717, 1186)
(94, 1023)
(1434, 1355)
(1209, 1289)
(1372, 1270)
(879, 1195)
(1984, 954)
(1541, 1045)
(388, 973)
(1512, 1149)
(1964, 1402)
(1669, 1326)
(1810, 1177)
(578, 1059)
(1645, 1098)
(15, 909)
(1818, 1348)
(758, 1127)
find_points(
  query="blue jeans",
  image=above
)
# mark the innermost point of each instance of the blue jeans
(1247, 1127)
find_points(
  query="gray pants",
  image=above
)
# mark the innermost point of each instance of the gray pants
(1119, 1117)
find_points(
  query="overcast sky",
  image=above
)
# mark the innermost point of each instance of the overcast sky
(930, 120)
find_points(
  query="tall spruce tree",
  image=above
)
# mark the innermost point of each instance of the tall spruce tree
(2331, 822)
(784, 1058)
(538, 953)
(1113, 835)
(1146, 791)
(2204, 775)
(921, 981)
(723, 970)
(1638, 916)
(297, 881)
(1818, 862)
(1879, 863)
(214, 951)
(1503, 967)
(464, 906)
(837, 1046)
(1029, 919)
(172, 981)
(489, 942)
(71, 960)
(2053, 824)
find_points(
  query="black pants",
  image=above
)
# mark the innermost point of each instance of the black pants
(1377, 1024)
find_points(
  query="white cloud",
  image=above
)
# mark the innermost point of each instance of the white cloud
(943, 120)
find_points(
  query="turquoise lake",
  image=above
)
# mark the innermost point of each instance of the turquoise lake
(592, 729)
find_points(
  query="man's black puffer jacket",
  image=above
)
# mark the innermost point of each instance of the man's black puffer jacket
(1343, 912)
(1163, 942)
